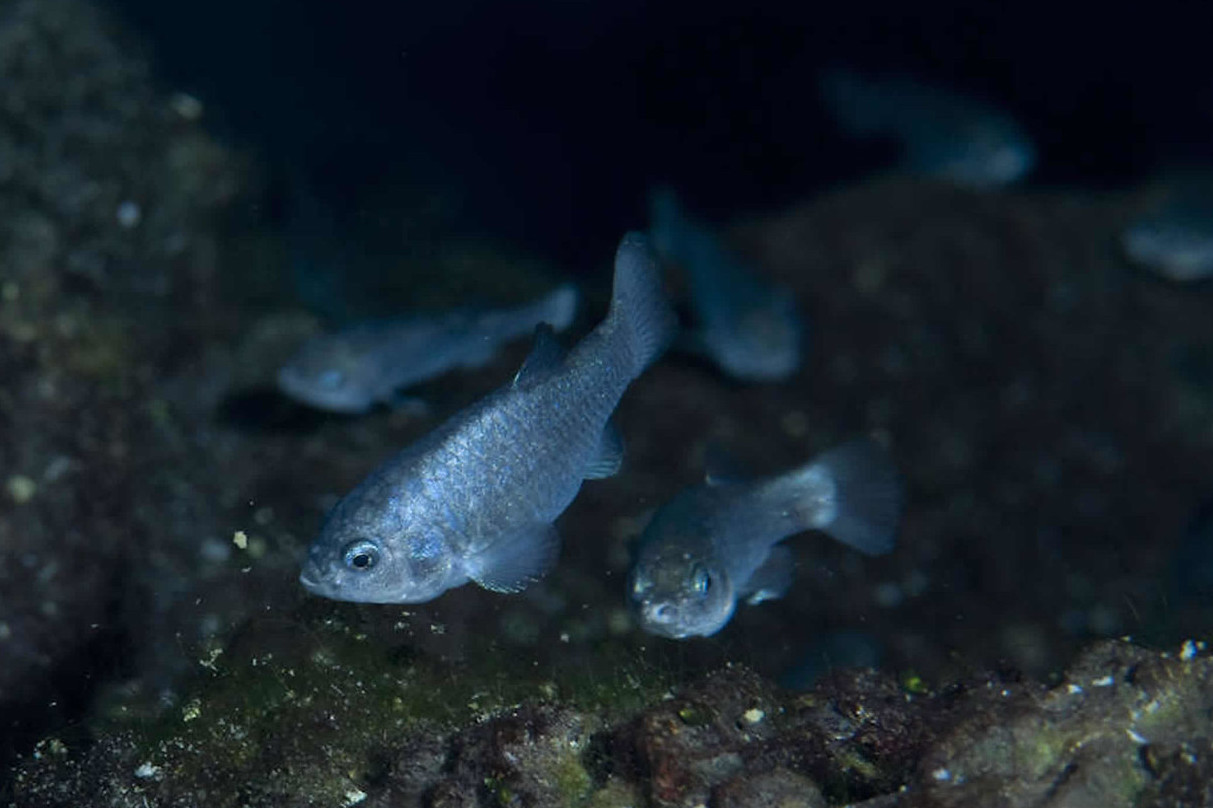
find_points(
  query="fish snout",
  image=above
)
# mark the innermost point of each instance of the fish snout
(658, 613)
(661, 618)
(312, 574)
(309, 577)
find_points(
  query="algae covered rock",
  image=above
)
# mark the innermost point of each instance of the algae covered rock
(110, 198)
(1123, 726)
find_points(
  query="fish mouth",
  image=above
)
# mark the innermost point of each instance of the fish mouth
(309, 580)
(661, 620)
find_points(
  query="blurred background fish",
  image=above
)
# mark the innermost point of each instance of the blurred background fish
(351, 370)
(942, 132)
(1173, 237)
(747, 325)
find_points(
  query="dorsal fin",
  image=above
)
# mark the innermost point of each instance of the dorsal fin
(547, 354)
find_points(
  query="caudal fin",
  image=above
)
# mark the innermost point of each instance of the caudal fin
(862, 502)
(639, 308)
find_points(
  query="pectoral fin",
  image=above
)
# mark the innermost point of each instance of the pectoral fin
(514, 562)
(610, 454)
(773, 579)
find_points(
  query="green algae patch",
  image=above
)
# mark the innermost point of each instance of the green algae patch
(270, 728)
(315, 713)
(571, 779)
(325, 711)
(267, 730)
(614, 794)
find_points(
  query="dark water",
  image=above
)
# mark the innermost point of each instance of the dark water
(554, 119)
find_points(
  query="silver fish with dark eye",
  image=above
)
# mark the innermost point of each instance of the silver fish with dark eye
(750, 327)
(718, 543)
(475, 499)
(350, 371)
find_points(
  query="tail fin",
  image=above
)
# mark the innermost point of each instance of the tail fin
(558, 307)
(861, 505)
(639, 309)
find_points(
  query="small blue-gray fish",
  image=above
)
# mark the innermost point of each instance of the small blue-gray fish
(718, 543)
(352, 370)
(747, 325)
(475, 499)
(943, 133)
(1174, 236)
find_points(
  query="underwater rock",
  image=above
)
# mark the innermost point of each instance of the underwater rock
(1123, 726)
(779, 788)
(534, 755)
(109, 193)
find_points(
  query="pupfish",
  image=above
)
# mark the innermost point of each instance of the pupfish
(749, 326)
(475, 499)
(349, 371)
(942, 132)
(718, 543)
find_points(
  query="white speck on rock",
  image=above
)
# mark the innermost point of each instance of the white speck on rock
(753, 715)
(148, 771)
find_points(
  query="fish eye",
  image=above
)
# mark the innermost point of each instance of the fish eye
(701, 580)
(361, 555)
(331, 379)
